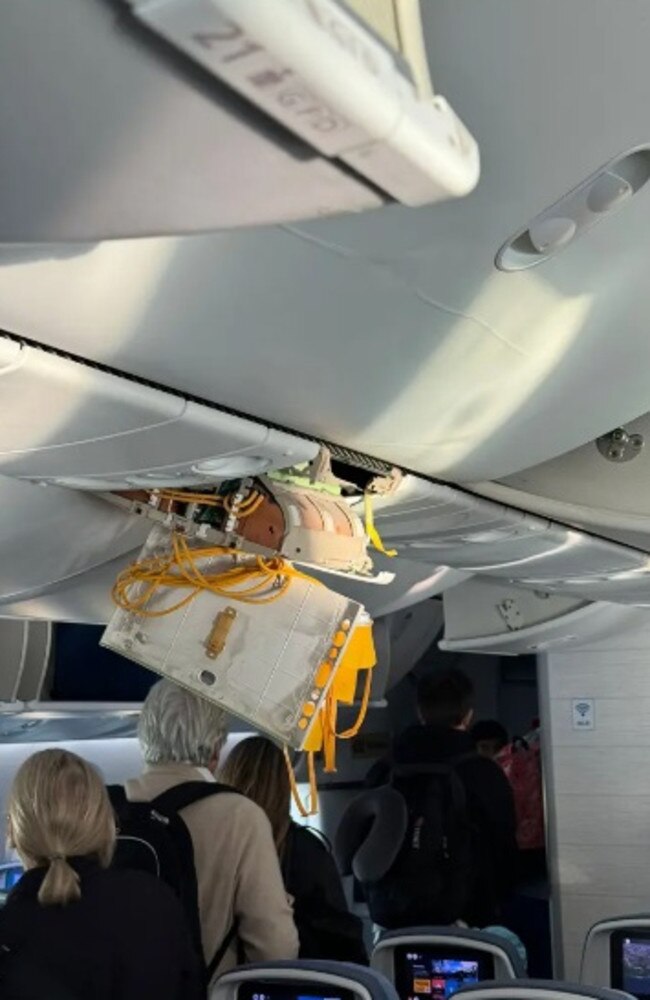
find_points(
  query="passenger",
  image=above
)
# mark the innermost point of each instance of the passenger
(490, 737)
(326, 928)
(72, 927)
(445, 709)
(238, 875)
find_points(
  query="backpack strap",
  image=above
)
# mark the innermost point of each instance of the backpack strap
(173, 801)
(181, 796)
(220, 953)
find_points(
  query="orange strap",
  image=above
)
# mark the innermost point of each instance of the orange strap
(313, 789)
(348, 734)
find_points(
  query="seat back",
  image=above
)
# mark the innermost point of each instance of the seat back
(538, 989)
(431, 963)
(303, 980)
(616, 954)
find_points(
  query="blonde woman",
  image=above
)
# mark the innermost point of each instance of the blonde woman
(326, 928)
(73, 927)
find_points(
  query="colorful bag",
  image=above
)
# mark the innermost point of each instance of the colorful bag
(521, 763)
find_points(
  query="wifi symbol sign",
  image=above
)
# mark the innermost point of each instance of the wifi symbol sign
(583, 713)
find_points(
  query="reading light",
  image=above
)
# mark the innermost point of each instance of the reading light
(576, 212)
(550, 234)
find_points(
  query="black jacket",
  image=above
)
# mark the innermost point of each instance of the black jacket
(490, 806)
(326, 928)
(125, 939)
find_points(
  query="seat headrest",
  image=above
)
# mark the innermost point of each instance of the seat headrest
(319, 977)
(497, 943)
(537, 989)
(371, 834)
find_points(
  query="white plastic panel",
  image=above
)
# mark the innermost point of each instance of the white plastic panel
(85, 598)
(324, 76)
(353, 328)
(487, 616)
(409, 582)
(48, 535)
(99, 431)
(441, 525)
(153, 146)
(478, 610)
(268, 666)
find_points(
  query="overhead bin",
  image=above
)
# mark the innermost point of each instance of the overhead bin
(48, 535)
(98, 431)
(247, 113)
(441, 525)
(489, 616)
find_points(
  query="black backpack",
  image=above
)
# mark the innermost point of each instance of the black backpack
(326, 929)
(153, 838)
(409, 844)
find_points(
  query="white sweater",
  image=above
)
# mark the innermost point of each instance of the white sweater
(237, 868)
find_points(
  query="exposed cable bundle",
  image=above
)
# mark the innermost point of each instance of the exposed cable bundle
(257, 580)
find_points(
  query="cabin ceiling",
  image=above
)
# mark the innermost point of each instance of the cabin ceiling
(392, 332)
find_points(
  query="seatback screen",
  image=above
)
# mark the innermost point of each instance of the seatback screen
(9, 875)
(631, 963)
(289, 990)
(436, 973)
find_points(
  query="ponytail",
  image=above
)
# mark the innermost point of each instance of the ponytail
(60, 885)
(59, 809)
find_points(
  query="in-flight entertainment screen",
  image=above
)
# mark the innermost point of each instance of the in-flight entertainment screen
(289, 990)
(632, 965)
(9, 875)
(433, 974)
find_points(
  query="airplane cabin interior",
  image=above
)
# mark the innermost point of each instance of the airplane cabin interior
(324, 367)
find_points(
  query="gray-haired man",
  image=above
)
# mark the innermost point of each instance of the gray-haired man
(237, 868)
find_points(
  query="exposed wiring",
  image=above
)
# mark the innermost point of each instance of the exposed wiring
(257, 580)
(244, 508)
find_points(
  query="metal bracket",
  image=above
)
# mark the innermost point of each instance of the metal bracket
(216, 641)
(512, 616)
(620, 446)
